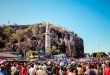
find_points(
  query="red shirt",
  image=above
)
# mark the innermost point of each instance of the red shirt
(107, 71)
(23, 70)
(57, 70)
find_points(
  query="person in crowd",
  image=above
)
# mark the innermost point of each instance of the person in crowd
(65, 70)
(32, 70)
(57, 68)
(17, 69)
(61, 71)
(80, 66)
(52, 69)
(24, 69)
(40, 71)
(107, 69)
(71, 71)
(94, 68)
(99, 68)
(2, 70)
(103, 67)
(79, 69)
(13, 69)
(35, 65)
(8, 67)
(89, 70)
(74, 66)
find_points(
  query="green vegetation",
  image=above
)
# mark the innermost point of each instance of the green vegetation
(99, 54)
(19, 35)
(55, 50)
(30, 52)
(1, 43)
(7, 31)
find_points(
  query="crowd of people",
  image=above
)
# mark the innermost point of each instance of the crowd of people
(83, 66)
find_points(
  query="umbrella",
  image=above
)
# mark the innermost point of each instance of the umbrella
(64, 62)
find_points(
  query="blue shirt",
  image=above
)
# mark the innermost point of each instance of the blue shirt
(3, 72)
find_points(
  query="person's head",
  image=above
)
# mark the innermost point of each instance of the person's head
(82, 64)
(79, 65)
(108, 65)
(61, 68)
(103, 65)
(72, 63)
(2, 67)
(24, 64)
(88, 67)
(31, 65)
(14, 65)
(92, 66)
(71, 69)
(39, 63)
(99, 66)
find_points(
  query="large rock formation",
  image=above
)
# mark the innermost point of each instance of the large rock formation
(21, 38)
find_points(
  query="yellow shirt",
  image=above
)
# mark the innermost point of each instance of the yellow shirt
(80, 70)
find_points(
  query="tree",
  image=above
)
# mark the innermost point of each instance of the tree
(30, 27)
(101, 54)
(19, 35)
(34, 31)
(28, 53)
(2, 44)
(93, 54)
(54, 50)
(7, 31)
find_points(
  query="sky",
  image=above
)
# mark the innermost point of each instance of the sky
(90, 19)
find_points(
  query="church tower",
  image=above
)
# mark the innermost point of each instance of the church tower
(47, 39)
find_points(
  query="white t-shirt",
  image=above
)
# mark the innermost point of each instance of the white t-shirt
(13, 70)
(32, 71)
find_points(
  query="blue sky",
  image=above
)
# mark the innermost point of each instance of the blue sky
(90, 19)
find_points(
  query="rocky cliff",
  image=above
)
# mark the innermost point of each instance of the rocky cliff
(20, 38)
